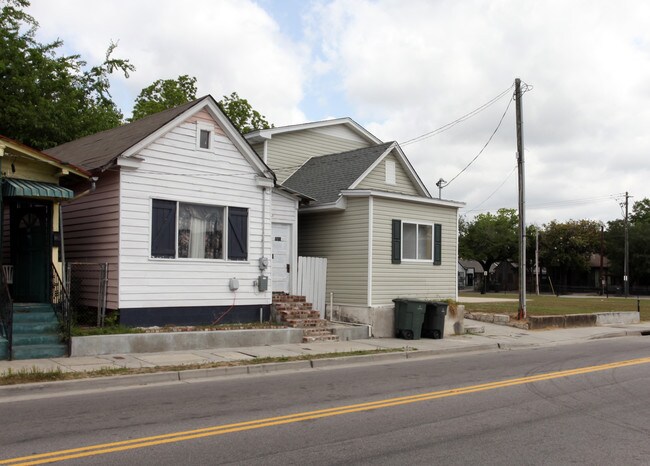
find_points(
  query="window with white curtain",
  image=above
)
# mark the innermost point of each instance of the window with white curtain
(198, 231)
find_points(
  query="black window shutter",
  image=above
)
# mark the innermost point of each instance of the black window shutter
(437, 244)
(163, 229)
(237, 234)
(396, 257)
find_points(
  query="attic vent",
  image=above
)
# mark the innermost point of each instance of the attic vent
(390, 172)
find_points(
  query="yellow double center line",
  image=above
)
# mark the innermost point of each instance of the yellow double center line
(143, 442)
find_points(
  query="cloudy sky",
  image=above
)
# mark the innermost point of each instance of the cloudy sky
(405, 68)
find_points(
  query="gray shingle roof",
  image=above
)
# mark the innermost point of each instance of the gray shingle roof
(97, 150)
(323, 177)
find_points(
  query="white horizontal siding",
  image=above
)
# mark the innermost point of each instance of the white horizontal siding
(174, 169)
(341, 238)
(412, 279)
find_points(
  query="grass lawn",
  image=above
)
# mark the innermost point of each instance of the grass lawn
(553, 305)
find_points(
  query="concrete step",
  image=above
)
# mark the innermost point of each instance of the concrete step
(23, 339)
(35, 327)
(27, 316)
(38, 351)
(474, 330)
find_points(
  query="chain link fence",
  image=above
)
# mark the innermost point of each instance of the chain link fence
(87, 284)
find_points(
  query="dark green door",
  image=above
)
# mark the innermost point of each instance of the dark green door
(31, 254)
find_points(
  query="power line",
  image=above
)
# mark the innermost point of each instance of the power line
(495, 191)
(456, 121)
(486, 144)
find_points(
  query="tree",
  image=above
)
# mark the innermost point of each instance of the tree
(242, 115)
(164, 94)
(639, 244)
(490, 238)
(568, 246)
(47, 98)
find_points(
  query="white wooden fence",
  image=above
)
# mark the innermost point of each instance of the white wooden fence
(312, 278)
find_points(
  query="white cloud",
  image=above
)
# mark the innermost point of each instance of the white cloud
(228, 45)
(410, 67)
(405, 68)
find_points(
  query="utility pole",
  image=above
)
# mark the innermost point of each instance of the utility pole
(626, 263)
(602, 253)
(521, 314)
(536, 261)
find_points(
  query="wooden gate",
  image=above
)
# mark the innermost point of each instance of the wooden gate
(312, 279)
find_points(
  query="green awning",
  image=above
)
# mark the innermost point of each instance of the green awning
(24, 188)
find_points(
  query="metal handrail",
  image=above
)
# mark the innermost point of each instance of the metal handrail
(61, 304)
(6, 311)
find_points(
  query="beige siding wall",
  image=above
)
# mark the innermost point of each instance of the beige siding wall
(175, 169)
(342, 238)
(91, 229)
(376, 179)
(30, 170)
(287, 152)
(412, 278)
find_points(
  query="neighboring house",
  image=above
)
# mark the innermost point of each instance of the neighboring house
(382, 233)
(182, 214)
(33, 188)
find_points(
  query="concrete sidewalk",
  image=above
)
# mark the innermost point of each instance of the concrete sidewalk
(491, 337)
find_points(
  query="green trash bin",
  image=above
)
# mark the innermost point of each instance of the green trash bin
(434, 320)
(409, 316)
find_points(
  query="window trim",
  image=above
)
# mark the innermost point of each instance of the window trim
(200, 126)
(397, 252)
(390, 168)
(417, 242)
(226, 227)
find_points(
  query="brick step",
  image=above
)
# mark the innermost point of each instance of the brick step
(313, 339)
(302, 323)
(291, 306)
(317, 331)
(284, 298)
(284, 315)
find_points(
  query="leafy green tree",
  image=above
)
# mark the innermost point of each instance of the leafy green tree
(48, 98)
(242, 115)
(490, 238)
(568, 246)
(639, 245)
(164, 94)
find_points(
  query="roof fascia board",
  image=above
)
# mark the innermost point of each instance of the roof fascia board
(264, 134)
(402, 197)
(13, 146)
(373, 166)
(340, 204)
(235, 137)
(410, 171)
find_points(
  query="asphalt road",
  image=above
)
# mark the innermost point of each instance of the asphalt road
(554, 405)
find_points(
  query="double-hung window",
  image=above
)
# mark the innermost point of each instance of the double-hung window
(197, 231)
(416, 242)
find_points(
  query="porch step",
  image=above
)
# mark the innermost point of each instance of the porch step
(38, 351)
(311, 335)
(296, 312)
(36, 332)
(4, 349)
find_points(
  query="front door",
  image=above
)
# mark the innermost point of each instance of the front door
(31, 251)
(281, 258)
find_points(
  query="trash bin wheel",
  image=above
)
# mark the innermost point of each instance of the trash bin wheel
(436, 334)
(407, 334)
